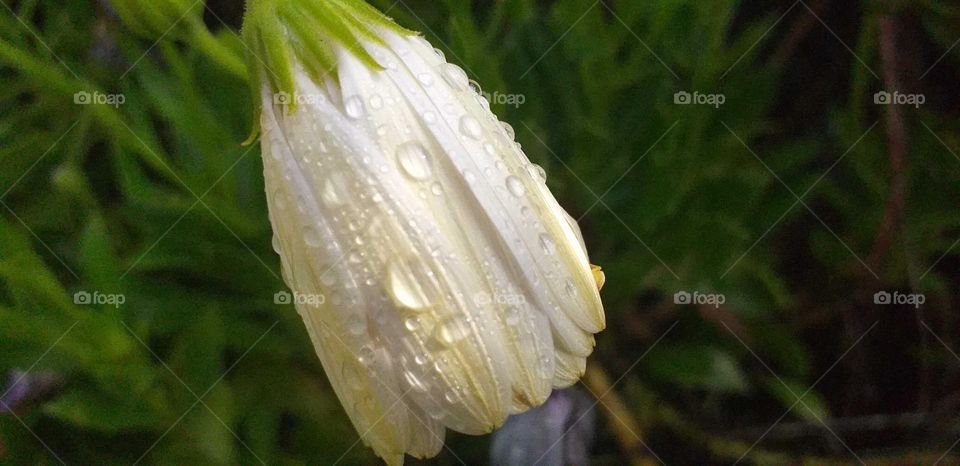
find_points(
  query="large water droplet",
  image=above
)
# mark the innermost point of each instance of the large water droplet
(357, 326)
(509, 130)
(451, 331)
(354, 107)
(537, 172)
(411, 323)
(547, 244)
(409, 283)
(366, 355)
(455, 76)
(329, 194)
(470, 127)
(414, 161)
(515, 186)
(311, 236)
(415, 382)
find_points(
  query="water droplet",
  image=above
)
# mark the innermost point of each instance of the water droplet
(439, 53)
(509, 130)
(409, 283)
(354, 107)
(455, 76)
(366, 355)
(311, 236)
(475, 86)
(415, 382)
(489, 149)
(329, 194)
(512, 317)
(411, 323)
(276, 244)
(429, 117)
(357, 326)
(470, 127)
(537, 172)
(376, 102)
(515, 186)
(355, 257)
(328, 278)
(547, 244)
(425, 78)
(414, 161)
(436, 189)
(420, 359)
(570, 288)
(451, 332)
(451, 397)
(469, 177)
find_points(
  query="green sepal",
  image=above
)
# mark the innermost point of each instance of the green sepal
(282, 33)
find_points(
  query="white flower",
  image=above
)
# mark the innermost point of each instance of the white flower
(456, 290)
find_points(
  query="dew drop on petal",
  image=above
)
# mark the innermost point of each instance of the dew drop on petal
(470, 127)
(436, 189)
(411, 323)
(354, 107)
(357, 326)
(475, 86)
(425, 78)
(515, 186)
(415, 382)
(311, 237)
(547, 244)
(406, 283)
(509, 130)
(469, 176)
(451, 332)
(570, 288)
(455, 76)
(414, 161)
(366, 355)
(376, 102)
(420, 359)
(537, 172)
(329, 195)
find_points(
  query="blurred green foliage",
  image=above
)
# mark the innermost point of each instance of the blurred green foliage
(156, 199)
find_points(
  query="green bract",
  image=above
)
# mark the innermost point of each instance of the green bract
(279, 33)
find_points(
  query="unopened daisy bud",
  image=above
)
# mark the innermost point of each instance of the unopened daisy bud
(456, 290)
